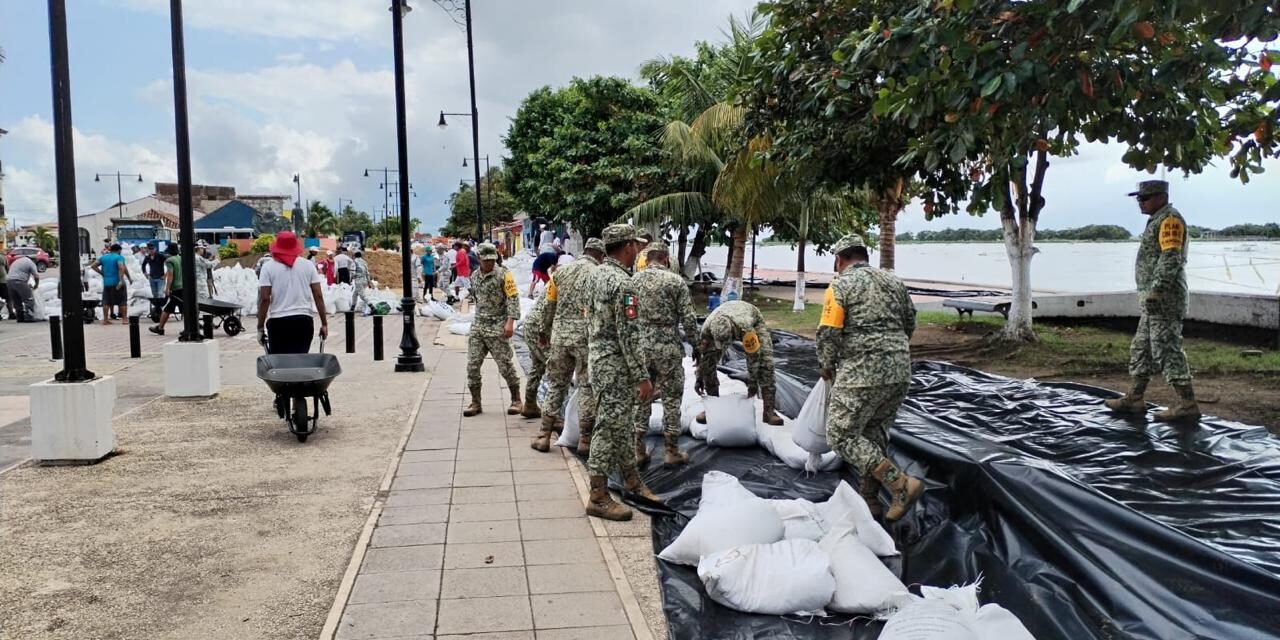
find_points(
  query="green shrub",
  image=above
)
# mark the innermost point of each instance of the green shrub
(228, 251)
(263, 243)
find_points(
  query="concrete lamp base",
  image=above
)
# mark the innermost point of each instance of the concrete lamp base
(71, 421)
(192, 369)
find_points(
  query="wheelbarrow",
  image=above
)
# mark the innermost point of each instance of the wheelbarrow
(296, 378)
(227, 313)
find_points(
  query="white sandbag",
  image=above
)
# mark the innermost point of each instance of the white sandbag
(139, 308)
(809, 429)
(779, 442)
(726, 518)
(438, 310)
(730, 421)
(721, 489)
(696, 429)
(863, 583)
(847, 508)
(460, 328)
(953, 614)
(801, 519)
(341, 304)
(569, 437)
(781, 578)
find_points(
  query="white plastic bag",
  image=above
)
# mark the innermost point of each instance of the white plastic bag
(779, 442)
(801, 519)
(787, 577)
(730, 421)
(728, 516)
(953, 614)
(863, 583)
(847, 508)
(460, 328)
(570, 411)
(809, 429)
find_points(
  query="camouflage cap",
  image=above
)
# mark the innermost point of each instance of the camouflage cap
(657, 246)
(1151, 188)
(595, 244)
(849, 241)
(487, 251)
(616, 233)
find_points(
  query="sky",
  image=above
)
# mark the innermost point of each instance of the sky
(305, 86)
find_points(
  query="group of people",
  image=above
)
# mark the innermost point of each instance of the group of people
(449, 269)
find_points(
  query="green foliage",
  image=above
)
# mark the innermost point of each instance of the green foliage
(388, 242)
(228, 252)
(499, 205)
(262, 243)
(1093, 232)
(1268, 230)
(352, 220)
(583, 154)
(321, 221)
(45, 239)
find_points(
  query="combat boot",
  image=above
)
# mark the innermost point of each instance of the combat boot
(674, 456)
(558, 427)
(531, 409)
(602, 505)
(631, 483)
(1186, 410)
(473, 409)
(585, 425)
(770, 416)
(516, 405)
(702, 417)
(542, 441)
(642, 452)
(1131, 402)
(903, 488)
(869, 487)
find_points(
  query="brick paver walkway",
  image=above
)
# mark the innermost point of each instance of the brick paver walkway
(482, 537)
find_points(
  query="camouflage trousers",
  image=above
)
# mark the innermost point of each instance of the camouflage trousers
(1157, 348)
(665, 363)
(858, 421)
(537, 365)
(357, 293)
(759, 370)
(563, 364)
(479, 346)
(613, 443)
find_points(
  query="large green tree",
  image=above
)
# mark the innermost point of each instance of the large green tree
(499, 205)
(321, 221)
(990, 90)
(584, 154)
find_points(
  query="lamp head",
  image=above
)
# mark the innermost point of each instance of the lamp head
(139, 177)
(464, 162)
(442, 124)
(366, 173)
(97, 177)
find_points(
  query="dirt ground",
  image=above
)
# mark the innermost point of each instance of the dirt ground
(1247, 398)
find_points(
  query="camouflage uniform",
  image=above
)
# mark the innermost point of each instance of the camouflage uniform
(497, 300)
(1162, 295)
(665, 307)
(735, 321)
(533, 336)
(566, 320)
(616, 366)
(359, 282)
(863, 338)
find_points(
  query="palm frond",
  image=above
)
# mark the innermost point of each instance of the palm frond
(749, 186)
(720, 126)
(685, 207)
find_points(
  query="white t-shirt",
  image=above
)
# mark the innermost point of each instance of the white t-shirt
(548, 236)
(342, 261)
(290, 288)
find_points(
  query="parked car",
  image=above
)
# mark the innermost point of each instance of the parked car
(36, 254)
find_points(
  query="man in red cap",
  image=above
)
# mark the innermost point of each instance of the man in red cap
(289, 296)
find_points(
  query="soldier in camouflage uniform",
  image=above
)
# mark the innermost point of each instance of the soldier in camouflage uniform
(538, 342)
(566, 321)
(735, 321)
(497, 309)
(864, 351)
(665, 307)
(1162, 295)
(618, 375)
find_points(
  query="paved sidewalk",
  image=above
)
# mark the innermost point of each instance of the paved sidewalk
(482, 537)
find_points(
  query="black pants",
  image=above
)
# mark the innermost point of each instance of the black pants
(344, 276)
(291, 334)
(429, 283)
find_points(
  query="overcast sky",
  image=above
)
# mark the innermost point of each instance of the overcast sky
(304, 86)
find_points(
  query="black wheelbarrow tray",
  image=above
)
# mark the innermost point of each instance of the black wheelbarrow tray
(295, 378)
(226, 313)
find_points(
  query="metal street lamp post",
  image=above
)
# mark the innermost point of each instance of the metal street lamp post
(97, 177)
(475, 132)
(409, 359)
(488, 182)
(186, 218)
(385, 187)
(299, 215)
(74, 367)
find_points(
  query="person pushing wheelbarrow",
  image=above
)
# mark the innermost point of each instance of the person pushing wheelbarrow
(289, 299)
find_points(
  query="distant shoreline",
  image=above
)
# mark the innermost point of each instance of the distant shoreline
(774, 243)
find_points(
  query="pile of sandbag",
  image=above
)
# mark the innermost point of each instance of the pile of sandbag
(787, 556)
(952, 614)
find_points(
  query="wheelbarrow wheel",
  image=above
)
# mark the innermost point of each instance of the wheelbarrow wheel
(300, 419)
(231, 325)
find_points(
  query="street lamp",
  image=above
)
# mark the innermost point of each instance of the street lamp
(410, 359)
(186, 217)
(386, 177)
(488, 199)
(475, 130)
(299, 216)
(97, 177)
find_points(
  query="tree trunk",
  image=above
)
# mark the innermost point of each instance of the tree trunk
(798, 306)
(738, 250)
(728, 256)
(693, 263)
(1019, 241)
(890, 205)
(682, 242)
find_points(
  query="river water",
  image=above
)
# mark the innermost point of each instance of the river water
(1236, 267)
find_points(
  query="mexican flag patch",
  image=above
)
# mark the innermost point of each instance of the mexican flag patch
(629, 303)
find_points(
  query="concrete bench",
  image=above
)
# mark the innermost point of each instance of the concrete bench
(998, 305)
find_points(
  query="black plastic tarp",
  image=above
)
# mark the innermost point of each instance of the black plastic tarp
(1083, 524)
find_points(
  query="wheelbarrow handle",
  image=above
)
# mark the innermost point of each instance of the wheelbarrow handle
(322, 345)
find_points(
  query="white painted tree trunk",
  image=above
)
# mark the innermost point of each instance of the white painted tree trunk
(692, 266)
(1019, 244)
(798, 306)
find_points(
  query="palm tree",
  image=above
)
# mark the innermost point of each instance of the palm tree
(45, 240)
(321, 222)
(839, 213)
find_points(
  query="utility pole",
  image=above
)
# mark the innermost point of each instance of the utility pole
(475, 124)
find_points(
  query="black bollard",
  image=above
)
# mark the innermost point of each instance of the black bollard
(55, 336)
(351, 332)
(208, 327)
(135, 338)
(377, 337)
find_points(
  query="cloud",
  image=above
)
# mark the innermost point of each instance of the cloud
(310, 19)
